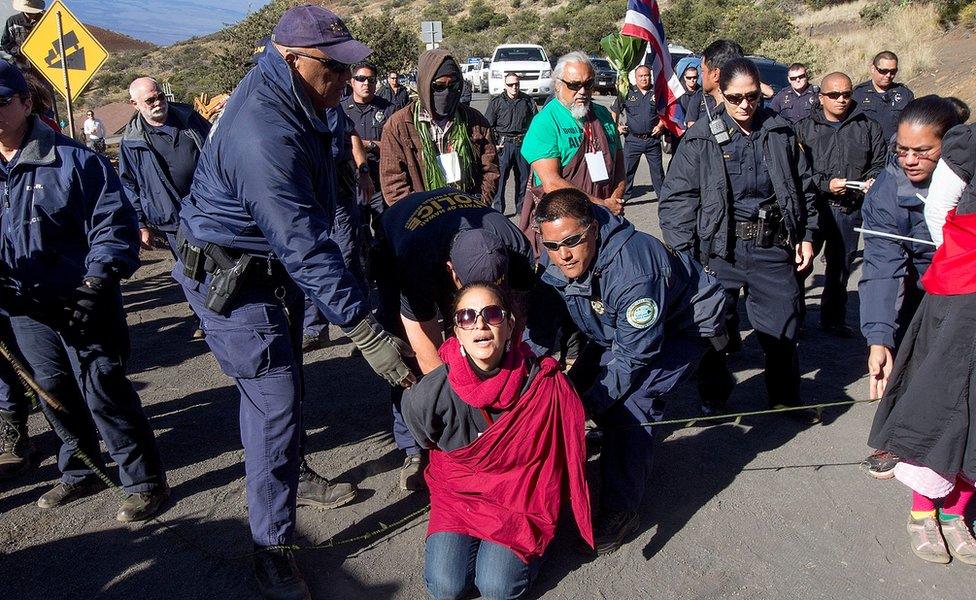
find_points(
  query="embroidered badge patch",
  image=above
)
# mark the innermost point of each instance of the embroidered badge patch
(642, 313)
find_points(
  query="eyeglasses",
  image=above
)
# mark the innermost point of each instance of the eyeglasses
(362, 78)
(837, 95)
(798, 77)
(575, 86)
(5, 100)
(440, 87)
(887, 71)
(332, 65)
(569, 242)
(736, 99)
(160, 97)
(903, 152)
(691, 77)
(512, 84)
(467, 318)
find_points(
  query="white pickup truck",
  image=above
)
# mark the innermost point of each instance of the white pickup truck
(530, 62)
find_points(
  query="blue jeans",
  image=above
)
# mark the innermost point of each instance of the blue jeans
(455, 563)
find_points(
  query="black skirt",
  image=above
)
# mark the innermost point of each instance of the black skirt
(929, 409)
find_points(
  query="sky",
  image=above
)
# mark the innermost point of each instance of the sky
(157, 21)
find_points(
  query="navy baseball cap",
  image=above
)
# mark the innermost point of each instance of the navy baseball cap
(12, 80)
(316, 27)
(479, 255)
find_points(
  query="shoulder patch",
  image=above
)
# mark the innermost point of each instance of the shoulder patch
(643, 313)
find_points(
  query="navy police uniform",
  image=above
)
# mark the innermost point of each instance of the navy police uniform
(640, 110)
(66, 224)
(266, 187)
(398, 99)
(884, 107)
(646, 311)
(889, 288)
(794, 106)
(509, 119)
(711, 205)
(699, 106)
(852, 149)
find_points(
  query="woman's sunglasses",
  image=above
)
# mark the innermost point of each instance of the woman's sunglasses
(570, 242)
(736, 99)
(467, 318)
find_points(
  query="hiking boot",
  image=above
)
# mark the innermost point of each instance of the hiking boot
(311, 341)
(143, 505)
(927, 542)
(278, 576)
(14, 445)
(315, 490)
(881, 464)
(412, 474)
(65, 493)
(959, 540)
(612, 527)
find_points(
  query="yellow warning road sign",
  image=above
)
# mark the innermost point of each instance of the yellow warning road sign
(82, 53)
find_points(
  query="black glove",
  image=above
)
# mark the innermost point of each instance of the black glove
(86, 303)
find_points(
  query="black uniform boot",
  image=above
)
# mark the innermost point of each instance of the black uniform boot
(278, 576)
(14, 445)
(315, 490)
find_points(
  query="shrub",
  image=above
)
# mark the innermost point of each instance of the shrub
(967, 15)
(795, 48)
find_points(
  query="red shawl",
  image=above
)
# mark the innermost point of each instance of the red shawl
(506, 486)
(953, 268)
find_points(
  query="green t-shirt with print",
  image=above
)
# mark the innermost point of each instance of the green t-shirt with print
(556, 133)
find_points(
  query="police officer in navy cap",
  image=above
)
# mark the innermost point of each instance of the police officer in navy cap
(255, 239)
(795, 101)
(433, 243)
(880, 97)
(648, 313)
(740, 196)
(636, 115)
(69, 237)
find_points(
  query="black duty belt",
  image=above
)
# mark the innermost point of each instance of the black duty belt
(641, 136)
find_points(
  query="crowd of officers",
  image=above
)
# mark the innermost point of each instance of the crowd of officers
(305, 194)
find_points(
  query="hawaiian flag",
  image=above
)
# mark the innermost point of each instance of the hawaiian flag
(643, 21)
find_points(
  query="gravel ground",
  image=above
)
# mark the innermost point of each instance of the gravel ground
(763, 509)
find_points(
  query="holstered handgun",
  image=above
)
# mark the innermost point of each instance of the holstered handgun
(769, 226)
(226, 283)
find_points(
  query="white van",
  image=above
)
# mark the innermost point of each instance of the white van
(530, 62)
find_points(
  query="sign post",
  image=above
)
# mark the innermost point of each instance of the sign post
(432, 33)
(65, 53)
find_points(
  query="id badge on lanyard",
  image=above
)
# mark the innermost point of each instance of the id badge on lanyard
(596, 166)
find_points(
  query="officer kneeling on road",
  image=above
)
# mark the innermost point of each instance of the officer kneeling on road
(739, 195)
(647, 311)
(256, 226)
(69, 236)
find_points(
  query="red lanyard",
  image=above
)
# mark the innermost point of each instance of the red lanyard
(588, 138)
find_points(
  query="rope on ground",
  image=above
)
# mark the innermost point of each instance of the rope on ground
(50, 401)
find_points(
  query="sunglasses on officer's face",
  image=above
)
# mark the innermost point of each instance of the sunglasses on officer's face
(837, 95)
(569, 242)
(887, 71)
(332, 65)
(467, 318)
(736, 99)
(575, 86)
(512, 84)
(798, 77)
(362, 78)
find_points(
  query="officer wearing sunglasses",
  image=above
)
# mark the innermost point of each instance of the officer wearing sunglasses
(739, 194)
(880, 97)
(795, 101)
(842, 145)
(646, 311)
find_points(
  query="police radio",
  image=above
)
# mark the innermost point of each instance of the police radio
(717, 127)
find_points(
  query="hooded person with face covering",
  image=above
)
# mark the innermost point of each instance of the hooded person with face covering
(437, 141)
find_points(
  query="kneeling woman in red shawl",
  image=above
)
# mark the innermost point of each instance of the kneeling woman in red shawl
(505, 433)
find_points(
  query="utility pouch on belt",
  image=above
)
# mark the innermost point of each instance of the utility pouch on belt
(192, 257)
(769, 226)
(226, 283)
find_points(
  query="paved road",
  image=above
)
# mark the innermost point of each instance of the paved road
(764, 509)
